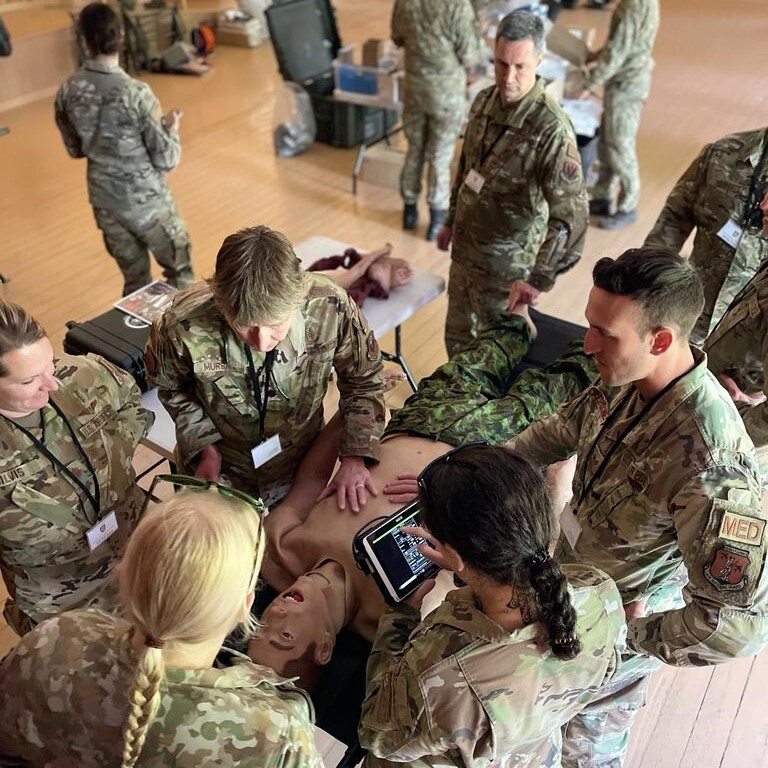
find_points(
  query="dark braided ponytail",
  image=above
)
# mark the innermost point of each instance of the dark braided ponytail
(556, 611)
(492, 506)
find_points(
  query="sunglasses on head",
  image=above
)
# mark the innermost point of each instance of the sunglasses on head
(444, 459)
(198, 484)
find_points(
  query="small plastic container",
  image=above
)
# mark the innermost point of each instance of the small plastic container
(354, 78)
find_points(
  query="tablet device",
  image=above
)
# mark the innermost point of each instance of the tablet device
(392, 557)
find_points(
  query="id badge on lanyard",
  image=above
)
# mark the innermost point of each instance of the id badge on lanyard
(268, 448)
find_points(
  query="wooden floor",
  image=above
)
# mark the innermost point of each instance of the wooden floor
(711, 79)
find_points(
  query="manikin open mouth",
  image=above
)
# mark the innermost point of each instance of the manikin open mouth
(294, 597)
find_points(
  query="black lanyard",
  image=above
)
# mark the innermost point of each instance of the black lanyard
(93, 498)
(254, 376)
(752, 200)
(612, 416)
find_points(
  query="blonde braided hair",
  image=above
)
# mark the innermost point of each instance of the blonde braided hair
(185, 574)
(144, 700)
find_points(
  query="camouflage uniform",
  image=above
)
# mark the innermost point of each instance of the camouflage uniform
(243, 715)
(478, 394)
(457, 689)
(624, 65)
(710, 193)
(441, 41)
(200, 369)
(45, 559)
(738, 347)
(662, 506)
(530, 216)
(114, 121)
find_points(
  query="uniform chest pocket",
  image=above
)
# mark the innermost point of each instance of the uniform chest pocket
(44, 507)
(316, 374)
(509, 164)
(56, 511)
(626, 493)
(227, 395)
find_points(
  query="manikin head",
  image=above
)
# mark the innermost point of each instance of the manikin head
(297, 633)
(642, 307)
(258, 285)
(26, 363)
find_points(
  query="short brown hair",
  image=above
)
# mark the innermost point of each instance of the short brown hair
(17, 329)
(664, 284)
(258, 277)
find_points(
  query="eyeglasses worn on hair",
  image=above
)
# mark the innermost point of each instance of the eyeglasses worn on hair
(198, 484)
(444, 459)
(191, 483)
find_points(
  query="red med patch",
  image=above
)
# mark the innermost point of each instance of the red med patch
(728, 569)
(571, 171)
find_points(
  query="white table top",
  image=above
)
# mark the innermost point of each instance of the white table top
(382, 314)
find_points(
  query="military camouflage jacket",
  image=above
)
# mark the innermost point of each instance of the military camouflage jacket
(480, 394)
(739, 347)
(201, 371)
(457, 689)
(529, 219)
(711, 192)
(114, 121)
(441, 41)
(679, 492)
(44, 554)
(242, 715)
(625, 60)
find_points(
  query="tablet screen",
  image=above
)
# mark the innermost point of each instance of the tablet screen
(397, 552)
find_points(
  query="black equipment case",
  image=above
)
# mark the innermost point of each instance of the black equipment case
(553, 338)
(305, 39)
(118, 337)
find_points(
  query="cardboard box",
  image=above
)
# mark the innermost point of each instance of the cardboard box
(382, 166)
(246, 33)
(570, 44)
(373, 51)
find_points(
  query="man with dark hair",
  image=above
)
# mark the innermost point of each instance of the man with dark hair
(115, 121)
(242, 364)
(667, 491)
(518, 210)
(719, 196)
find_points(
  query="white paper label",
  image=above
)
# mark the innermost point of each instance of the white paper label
(731, 233)
(570, 526)
(265, 451)
(101, 531)
(475, 181)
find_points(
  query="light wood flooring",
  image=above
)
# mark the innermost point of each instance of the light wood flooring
(711, 79)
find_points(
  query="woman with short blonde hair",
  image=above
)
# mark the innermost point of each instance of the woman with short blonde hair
(145, 686)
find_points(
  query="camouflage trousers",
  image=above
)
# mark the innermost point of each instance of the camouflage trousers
(130, 240)
(619, 176)
(598, 736)
(480, 394)
(431, 141)
(476, 302)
